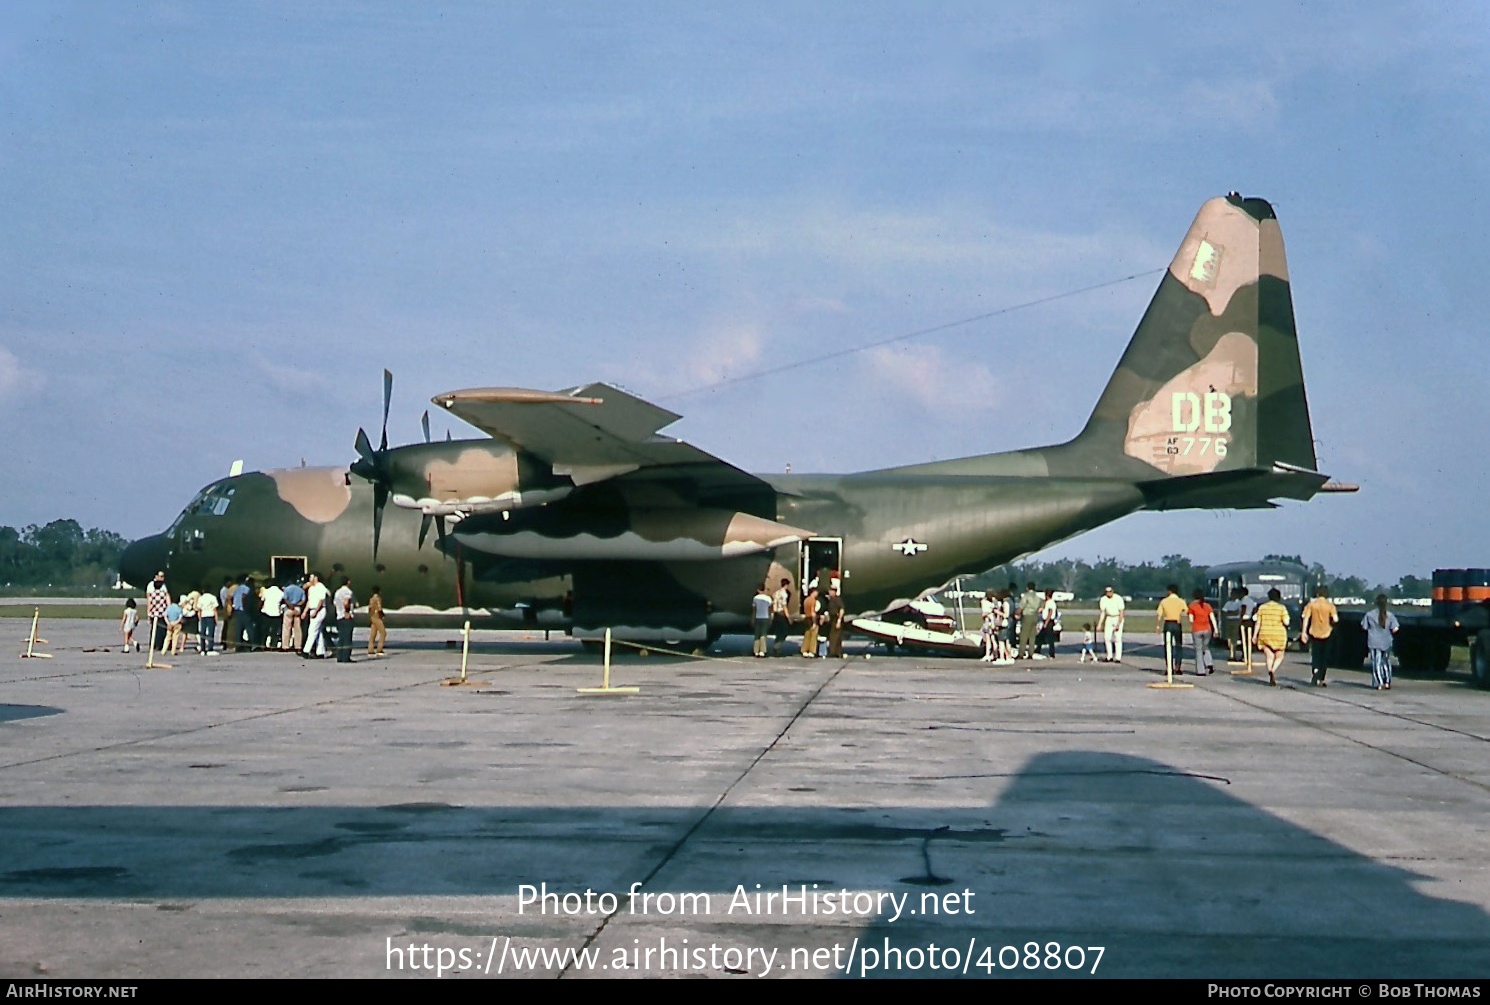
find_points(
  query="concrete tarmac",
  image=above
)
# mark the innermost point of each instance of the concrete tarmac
(265, 815)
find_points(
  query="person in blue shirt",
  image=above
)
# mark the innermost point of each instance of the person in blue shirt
(289, 636)
(175, 637)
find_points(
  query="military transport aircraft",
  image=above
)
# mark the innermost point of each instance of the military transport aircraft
(574, 513)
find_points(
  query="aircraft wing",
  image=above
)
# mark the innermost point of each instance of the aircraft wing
(591, 433)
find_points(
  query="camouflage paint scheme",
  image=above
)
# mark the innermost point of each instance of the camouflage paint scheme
(576, 514)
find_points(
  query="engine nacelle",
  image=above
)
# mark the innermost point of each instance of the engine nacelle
(466, 477)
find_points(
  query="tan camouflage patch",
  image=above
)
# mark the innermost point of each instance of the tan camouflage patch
(1218, 255)
(318, 494)
(739, 533)
(1185, 428)
(478, 473)
(1271, 260)
(775, 575)
(747, 529)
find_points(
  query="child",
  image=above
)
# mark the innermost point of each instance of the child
(127, 622)
(174, 638)
(1088, 637)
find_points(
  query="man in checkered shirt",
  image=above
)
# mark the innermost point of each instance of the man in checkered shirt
(157, 599)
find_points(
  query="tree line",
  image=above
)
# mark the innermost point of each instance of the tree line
(60, 553)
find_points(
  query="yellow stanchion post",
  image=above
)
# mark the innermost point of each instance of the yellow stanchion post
(150, 663)
(605, 687)
(32, 641)
(465, 652)
(1246, 671)
(1168, 680)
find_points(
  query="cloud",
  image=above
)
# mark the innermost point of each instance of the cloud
(293, 381)
(15, 379)
(730, 351)
(928, 378)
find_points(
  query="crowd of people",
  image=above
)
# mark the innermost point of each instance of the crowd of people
(298, 614)
(1019, 629)
(821, 614)
(1026, 626)
(293, 616)
(1249, 624)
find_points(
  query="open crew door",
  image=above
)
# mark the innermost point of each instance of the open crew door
(285, 569)
(819, 554)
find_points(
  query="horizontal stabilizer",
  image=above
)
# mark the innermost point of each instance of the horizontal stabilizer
(1246, 488)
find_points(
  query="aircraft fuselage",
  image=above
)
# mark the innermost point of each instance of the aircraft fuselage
(898, 534)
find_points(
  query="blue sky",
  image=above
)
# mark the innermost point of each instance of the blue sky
(223, 221)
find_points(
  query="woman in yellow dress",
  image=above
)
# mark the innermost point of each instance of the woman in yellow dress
(1272, 633)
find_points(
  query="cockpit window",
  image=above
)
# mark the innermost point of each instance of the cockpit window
(211, 501)
(214, 501)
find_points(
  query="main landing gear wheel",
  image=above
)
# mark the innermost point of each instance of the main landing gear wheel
(1479, 659)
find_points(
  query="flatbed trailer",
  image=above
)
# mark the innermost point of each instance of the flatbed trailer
(1460, 617)
(1426, 642)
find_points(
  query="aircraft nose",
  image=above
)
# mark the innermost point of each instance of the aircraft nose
(143, 559)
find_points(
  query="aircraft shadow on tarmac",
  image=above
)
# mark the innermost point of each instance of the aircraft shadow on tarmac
(10, 713)
(1169, 872)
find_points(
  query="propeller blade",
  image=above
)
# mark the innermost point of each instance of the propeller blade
(424, 423)
(387, 401)
(366, 465)
(380, 499)
(424, 528)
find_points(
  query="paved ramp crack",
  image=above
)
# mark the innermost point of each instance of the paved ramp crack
(703, 818)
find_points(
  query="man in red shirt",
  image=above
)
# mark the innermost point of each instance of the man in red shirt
(1202, 627)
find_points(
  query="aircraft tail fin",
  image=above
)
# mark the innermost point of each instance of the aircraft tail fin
(1211, 381)
(1206, 407)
